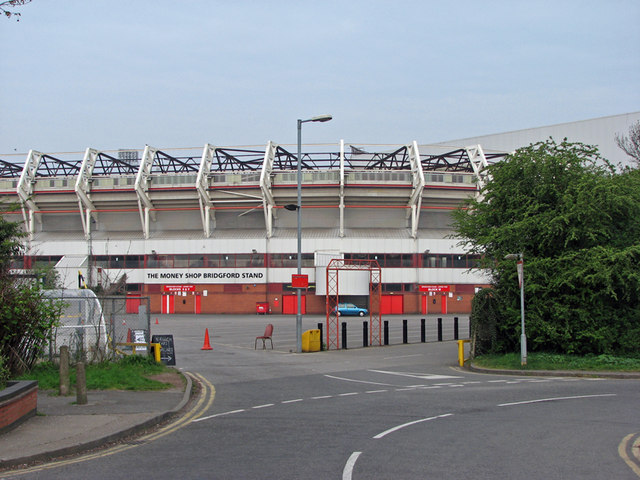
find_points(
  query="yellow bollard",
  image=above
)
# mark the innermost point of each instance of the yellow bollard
(156, 351)
(461, 359)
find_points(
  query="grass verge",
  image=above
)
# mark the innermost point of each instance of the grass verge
(551, 361)
(128, 373)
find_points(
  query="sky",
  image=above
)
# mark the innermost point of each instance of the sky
(122, 74)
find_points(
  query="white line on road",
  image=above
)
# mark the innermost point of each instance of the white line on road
(217, 415)
(348, 394)
(376, 391)
(421, 376)
(321, 397)
(293, 401)
(394, 429)
(263, 406)
(348, 468)
(555, 399)
(360, 381)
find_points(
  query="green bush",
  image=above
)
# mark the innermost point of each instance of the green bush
(4, 373)
(576, 221)
(26, 316)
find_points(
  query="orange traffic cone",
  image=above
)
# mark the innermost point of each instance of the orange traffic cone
(206, 345)
(156, 320)
(129, 336)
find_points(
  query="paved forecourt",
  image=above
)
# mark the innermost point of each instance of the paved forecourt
(403, 411)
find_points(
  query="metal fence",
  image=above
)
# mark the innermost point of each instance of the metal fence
(100, 328)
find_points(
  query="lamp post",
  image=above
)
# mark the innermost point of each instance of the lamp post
(319, 118)
(523, 336)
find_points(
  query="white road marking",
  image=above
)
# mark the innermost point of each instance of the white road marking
(217, 415)
(348, 468)
(395, 429)
(348, 394)
(321, 397)
(263, 406)
(553, 399)
(360, 381)
(421, 376)
(376, 391)
(293, 401)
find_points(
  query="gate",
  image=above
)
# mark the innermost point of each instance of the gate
(333, 299)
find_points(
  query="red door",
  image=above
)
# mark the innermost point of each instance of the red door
(290, 304)
(133, 303)
(392, 305)
(198, 306)
(168, 304)
(397, 305)
(443, 304)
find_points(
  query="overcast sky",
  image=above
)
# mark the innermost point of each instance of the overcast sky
(122, 74)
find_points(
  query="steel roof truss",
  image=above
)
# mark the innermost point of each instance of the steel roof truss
(83, 189)
(268, 201)
(479, 164)
(25, 189)
(9, 170)
(143, 179)
(417, 174)
(202, 186)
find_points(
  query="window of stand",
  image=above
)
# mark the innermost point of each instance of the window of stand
(259, 260)
(290, 260)
(385, 260)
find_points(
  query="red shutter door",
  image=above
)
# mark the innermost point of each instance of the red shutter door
(290, 304)
(397, 304)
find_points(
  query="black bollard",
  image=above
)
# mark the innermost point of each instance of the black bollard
(365, 334)
(455, 328)
(386, 332)
(423, 330)
(344, 335)
(439, 329)
(404, 332)
(321, 338)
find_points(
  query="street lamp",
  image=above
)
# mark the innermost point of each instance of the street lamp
(319, 118)
(523, 336)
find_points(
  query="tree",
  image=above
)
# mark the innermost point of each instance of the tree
(26, 316)
(577, 222)
(631, 144)
(7, 7)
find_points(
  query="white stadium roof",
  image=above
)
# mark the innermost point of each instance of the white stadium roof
(600, 131)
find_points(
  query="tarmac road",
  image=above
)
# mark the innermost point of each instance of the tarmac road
(403, 411)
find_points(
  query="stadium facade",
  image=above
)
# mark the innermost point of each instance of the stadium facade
(214, 229)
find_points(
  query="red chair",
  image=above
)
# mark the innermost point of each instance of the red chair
(268, 332)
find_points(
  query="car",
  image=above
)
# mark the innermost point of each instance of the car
(351, 309)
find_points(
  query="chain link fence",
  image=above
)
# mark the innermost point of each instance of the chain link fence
(100, 328)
